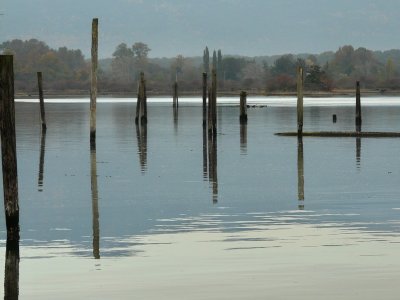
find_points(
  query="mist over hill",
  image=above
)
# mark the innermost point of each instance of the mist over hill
(240, 27)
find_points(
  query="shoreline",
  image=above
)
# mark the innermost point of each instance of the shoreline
(316, 94)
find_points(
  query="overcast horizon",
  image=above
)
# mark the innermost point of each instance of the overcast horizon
(237, 27)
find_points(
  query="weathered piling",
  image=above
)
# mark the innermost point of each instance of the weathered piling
(141, 106)
(214, 100)
(41, 160)
(93, 86)
(204, 99)
(41, 100)
(299, 101)
(95, 203)
(11, 271)
(358, 107)
(210, 112)
(300, 172)
(175, 94)
(243, 107)
(8, 147)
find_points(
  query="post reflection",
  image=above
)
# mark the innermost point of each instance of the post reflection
(175, 113)
(41, 159)
(300, 172)
(358, 152)
(11, 271)
(95, 203)
(212, 167)
(141, 134)
(243, 138)
(205, 169)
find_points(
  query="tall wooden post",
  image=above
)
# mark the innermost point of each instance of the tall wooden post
(204, 99)
(214, 100)
(8, 147)
(299, 101)
(141, 108)
(93, 89)
(210, 112)
(243, 107)
(358, 107)
(175, 93)
(41, 101)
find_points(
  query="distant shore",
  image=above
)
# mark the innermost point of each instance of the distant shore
(316, 94)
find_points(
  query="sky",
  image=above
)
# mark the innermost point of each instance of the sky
(237, 27)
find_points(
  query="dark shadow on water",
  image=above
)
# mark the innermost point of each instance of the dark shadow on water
(11, 271)
(141, 134)
(205, 152)
(175, 115)
(300, 173)
(358, 152)
(41, 160)
(243, 138)
(95, 203)
(213, 166)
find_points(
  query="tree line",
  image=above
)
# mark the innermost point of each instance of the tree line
(66, 71)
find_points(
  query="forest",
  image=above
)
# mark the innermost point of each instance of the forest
(67, 71)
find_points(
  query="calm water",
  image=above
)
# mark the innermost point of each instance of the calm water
(159, 213)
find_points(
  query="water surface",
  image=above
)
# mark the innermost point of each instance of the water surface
(162, 212)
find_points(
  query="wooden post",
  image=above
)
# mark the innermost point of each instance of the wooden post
(243, 107)
(300, 172)
(138, 104)
(358, 107)
(93, 89)
(40, 86)
(299, 101)
(141, 107)
(214, 101)
(95, 204)
(8, 147)
(11, 271)
(204, 99)
(144, 118)
(175, 94)
(210, 112)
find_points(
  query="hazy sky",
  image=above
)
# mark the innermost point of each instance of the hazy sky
(172, 27)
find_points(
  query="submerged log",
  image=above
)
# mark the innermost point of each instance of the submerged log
(343, 134)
